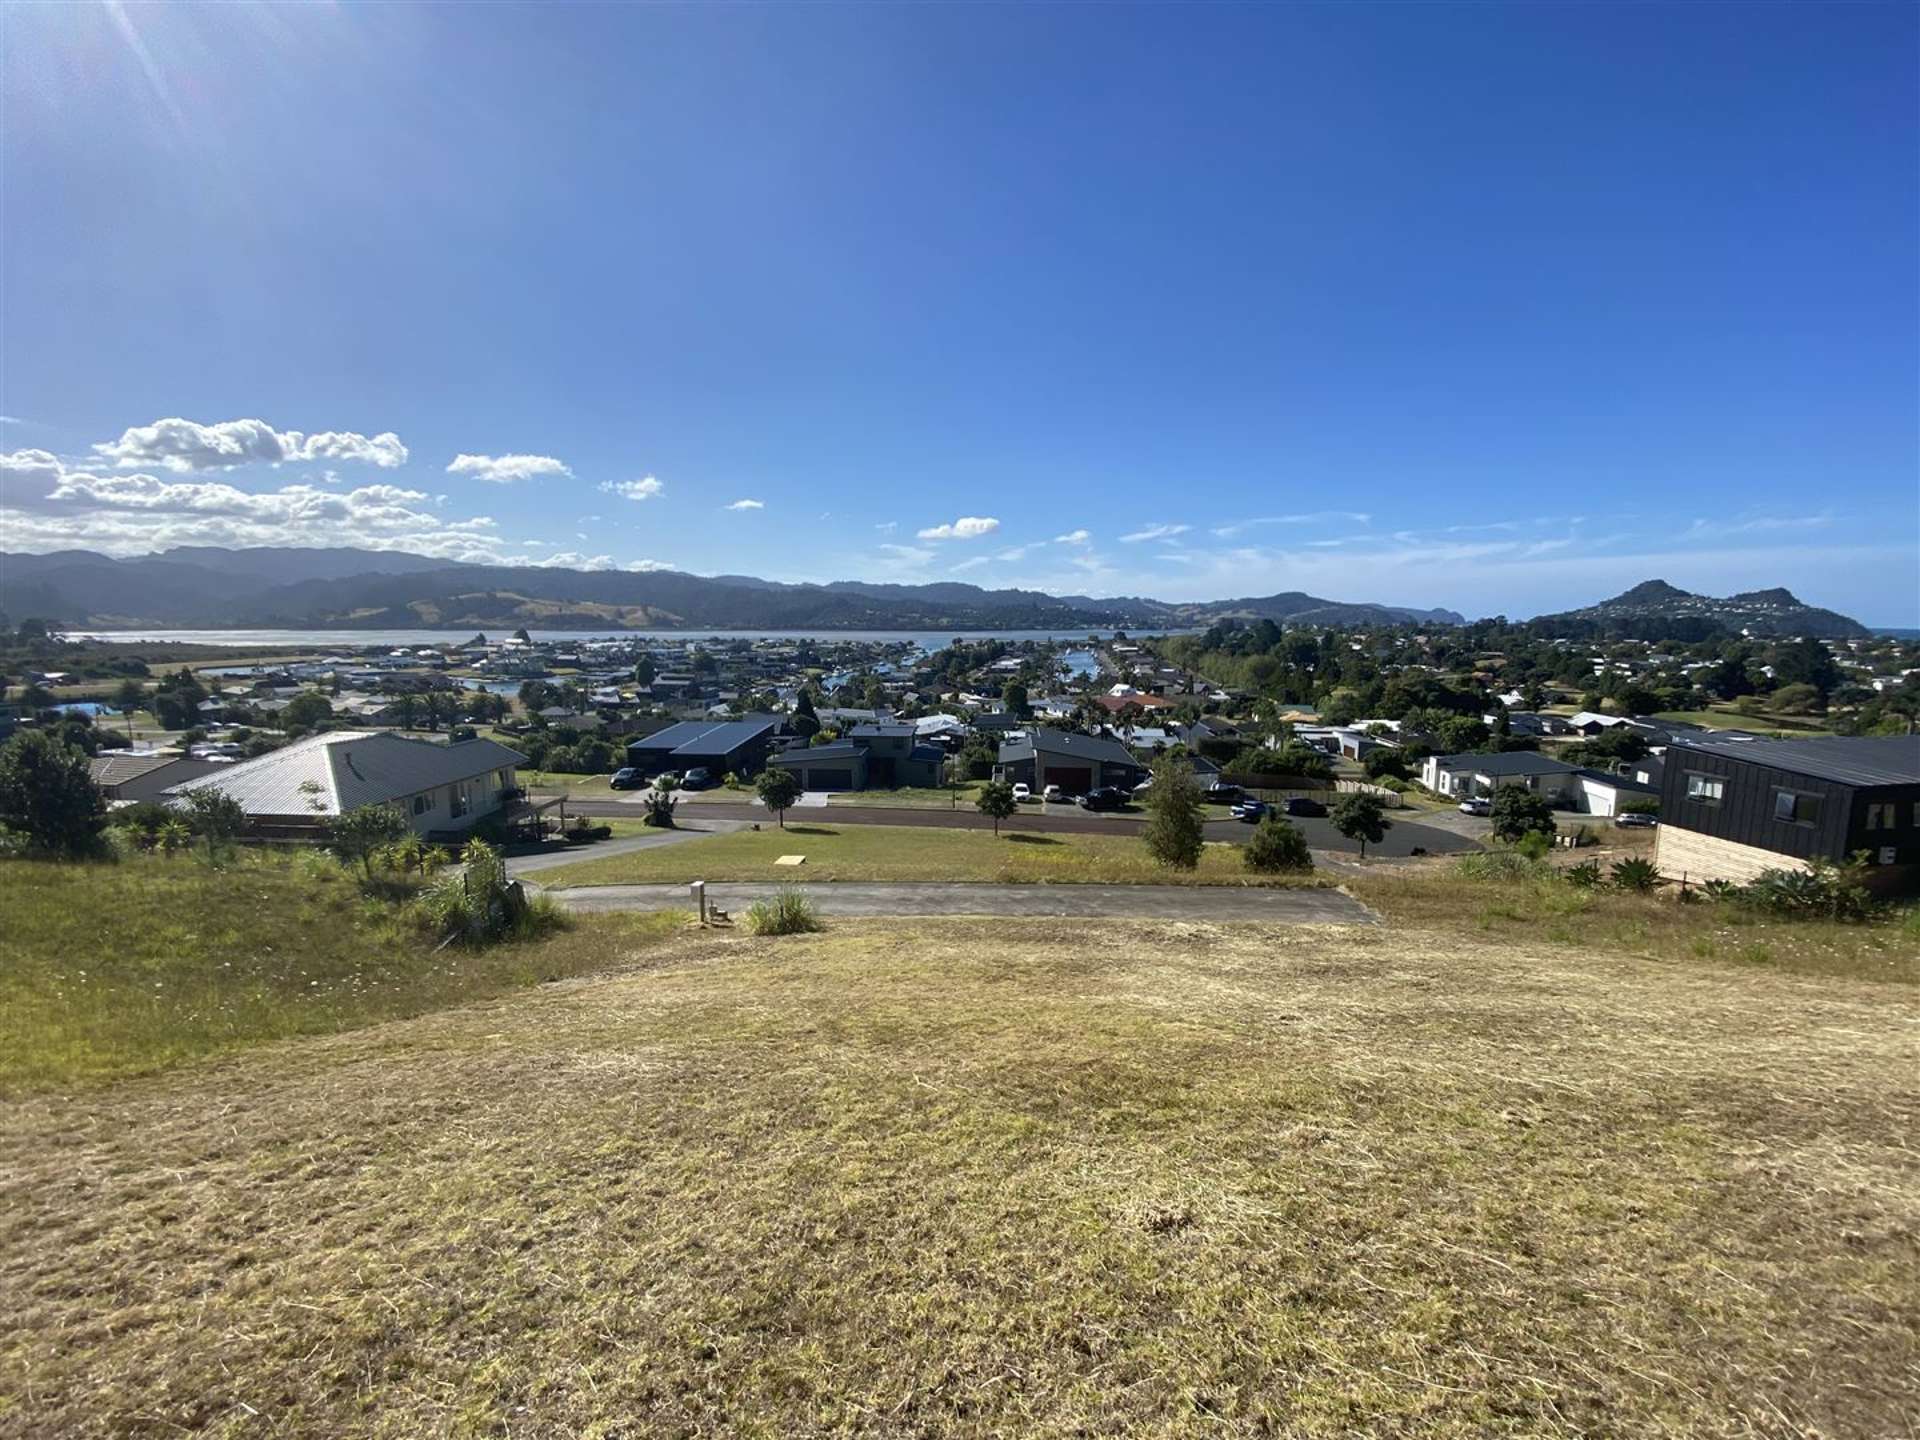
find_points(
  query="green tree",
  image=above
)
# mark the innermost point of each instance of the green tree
(363, 832)
(996, 801)
(48, 795)
(777, 788)
(1796, 699)
(1517, 811)
(307, 711)
(129, 695)
(1014, 698)
(1277, 846)
(1175, 831)
(806, 723)
(1360, 816)
(644, 671)
(215, 815)
(1384, 761)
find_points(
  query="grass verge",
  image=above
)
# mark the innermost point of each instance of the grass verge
(1541, 909)
(113, 969)
(1021, 1178)
(905, 853)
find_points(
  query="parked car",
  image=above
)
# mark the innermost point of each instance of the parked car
(1104, 797)
(699, 778)
(626, 778)
(1300, 805)
(1053, 794)
(1634, 820)
(1022, 793)
(1476, 807)
(1251, 811)
(1220, 792)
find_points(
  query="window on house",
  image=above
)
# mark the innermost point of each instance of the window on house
(1706, 789)
(1887, 816)
(1795, 808)
(420, 804)
(459, 805)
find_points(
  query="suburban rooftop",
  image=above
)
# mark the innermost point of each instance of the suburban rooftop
(1848, 759)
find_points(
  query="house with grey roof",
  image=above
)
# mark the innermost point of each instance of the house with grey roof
(441, 789)
(868, 757)
(720, 746)
(1469, 775)
(128, 776)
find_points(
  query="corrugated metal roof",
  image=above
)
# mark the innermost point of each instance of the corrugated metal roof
(118, 768)
(707, 737)
(340, 770)
(1848, 759)
(1507, 762)
(1069, 743)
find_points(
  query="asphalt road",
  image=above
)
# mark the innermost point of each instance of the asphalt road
(1401, 840)
(1206, 903)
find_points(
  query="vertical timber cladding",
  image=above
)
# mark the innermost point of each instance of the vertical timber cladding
(1746, 814)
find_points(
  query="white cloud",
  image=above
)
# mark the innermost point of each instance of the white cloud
(747, 505)
(887, 527)
(573, 560)
(1073, 537)
(1227, 532)
(904, 557)
(648, 567)
(647, 489)
(1154, 532)
(1016, 552)
(186, 445)
(967, 527)
(974, 564)
(504, 469)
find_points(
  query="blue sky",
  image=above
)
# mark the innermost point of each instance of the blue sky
(1497, 307)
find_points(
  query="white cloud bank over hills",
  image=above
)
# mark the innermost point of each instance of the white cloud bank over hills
(186, 445)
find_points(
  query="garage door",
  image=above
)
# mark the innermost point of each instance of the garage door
(1074, 779)
(829, 779)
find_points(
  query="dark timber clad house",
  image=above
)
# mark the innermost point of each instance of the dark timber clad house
(1076, 763)
(1732, 808)
(739, 746)
(871, 757)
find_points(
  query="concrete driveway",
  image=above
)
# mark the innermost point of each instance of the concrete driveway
(519, 865)
(1217, 904)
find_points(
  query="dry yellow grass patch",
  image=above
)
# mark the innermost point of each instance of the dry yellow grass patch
(1001, 1178)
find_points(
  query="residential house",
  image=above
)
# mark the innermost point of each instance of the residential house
(1471, 775)
(1730, 809)
(869, 757)
(441, 789)
(737, 746)
(1076, 763)
(128, 775)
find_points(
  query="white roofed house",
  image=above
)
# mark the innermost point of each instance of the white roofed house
(441, 789)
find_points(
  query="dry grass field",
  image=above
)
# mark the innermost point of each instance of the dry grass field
(1001, 1178)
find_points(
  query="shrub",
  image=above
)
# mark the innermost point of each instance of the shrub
(1533, 845)
(777, 789)
(996, 801)
(1277, 846)
(787, 913)
(1518, 812)
(363, 832)
(659, 809)
(1636, 875)
(483, 906)
(1822, 891)
(1584, 876)
(1499, 865)
(1641, 805)
(1175, 831)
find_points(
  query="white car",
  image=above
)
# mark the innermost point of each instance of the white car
(1023, 793)
(1053, 794)
(1476, 807)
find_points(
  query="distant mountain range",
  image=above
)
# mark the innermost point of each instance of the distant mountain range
(1654, 604)
(207, 588)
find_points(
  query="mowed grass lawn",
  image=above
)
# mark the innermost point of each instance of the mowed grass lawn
(1022, 1178)
(112, 969)
(902, 852)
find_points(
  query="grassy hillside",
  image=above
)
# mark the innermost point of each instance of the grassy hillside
(1022, 1178)
(113, 969)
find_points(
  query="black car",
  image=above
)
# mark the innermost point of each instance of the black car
(626, 778)
(699, 778)
(1300, 805)
(1103, 797)
(1220, 792)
